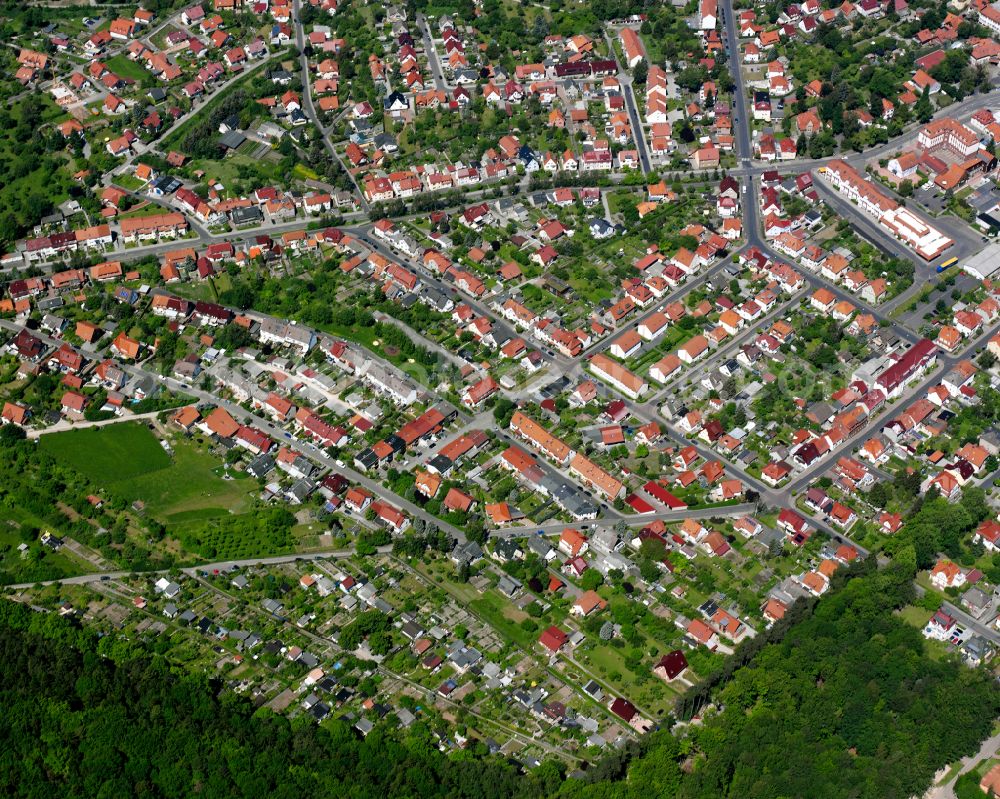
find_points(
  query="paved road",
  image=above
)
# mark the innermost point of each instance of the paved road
(747, 169)
(430, 52)
(783, 497)
(307, 103)
(318, 456)
(638, 134)
(987, 631)
(309, 450)
(550, 528)
(729, 349)
(957, 110)
(192, 571)
(741, 124)
(574, 366)
(679, 293)
(625, 81)
(869, 228)
(916, 391)
(63, 425)
(988, 749)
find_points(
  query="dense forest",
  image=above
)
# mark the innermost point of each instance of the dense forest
(843, 704)
(89, 718)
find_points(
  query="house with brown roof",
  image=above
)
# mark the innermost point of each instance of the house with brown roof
(14, 413)
(587, 603)
(553, 639)
(815, 583)
(572, 542)
(186, 417)
(671, 666)
(458, 500)
(73, 404)
(947, 574)
(125, 347)
(427, 483)
(703, 634)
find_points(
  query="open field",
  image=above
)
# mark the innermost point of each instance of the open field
(110, 454)
(126, 68)
(205, 507)
(127, 459)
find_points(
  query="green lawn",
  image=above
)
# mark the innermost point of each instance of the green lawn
(129, 182)
(498, 612)
(129, 462)
(304, 173)
(190, 490)
(108, 454)
(143, 209)
(227, 169)
(914, 616)
(123, 67)
(207, 290)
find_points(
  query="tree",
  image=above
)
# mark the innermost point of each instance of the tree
(503, 410)
(112, 695)
(878, 495)
(923, 109)
(591, 580)
(649, 571)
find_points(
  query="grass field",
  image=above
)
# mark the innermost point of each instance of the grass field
(205, 506)
(505, 618)
(143, 209)
(129, 182)
(914, 616)
(123, 67)
(191, 490)
(128, 461)
(304, 172)
(108, 454)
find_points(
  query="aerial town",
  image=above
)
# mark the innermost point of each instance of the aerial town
(501, 368)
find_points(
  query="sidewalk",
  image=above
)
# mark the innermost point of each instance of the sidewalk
(63, 425)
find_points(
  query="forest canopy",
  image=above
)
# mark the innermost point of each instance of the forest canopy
(107, 720)
(847, 703)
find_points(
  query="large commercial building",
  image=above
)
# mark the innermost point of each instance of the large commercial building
(951, 135)
(926, 241)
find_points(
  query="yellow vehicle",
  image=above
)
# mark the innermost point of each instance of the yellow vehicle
(946, 264)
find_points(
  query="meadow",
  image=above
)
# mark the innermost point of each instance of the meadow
(109, 454)
(182, 488)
